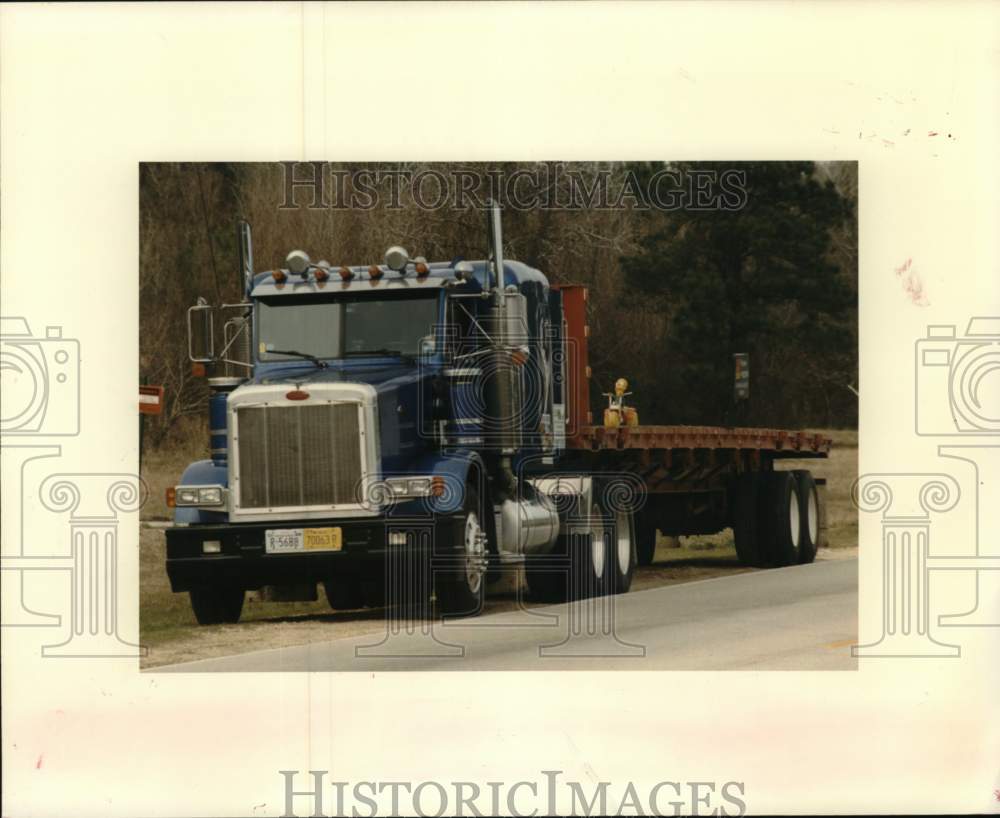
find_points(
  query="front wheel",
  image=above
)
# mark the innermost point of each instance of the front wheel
(460, 586)
(217, 606)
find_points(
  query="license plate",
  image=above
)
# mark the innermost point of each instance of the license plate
(292, 540)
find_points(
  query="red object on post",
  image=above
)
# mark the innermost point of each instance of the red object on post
(150, 400)
(574, 298)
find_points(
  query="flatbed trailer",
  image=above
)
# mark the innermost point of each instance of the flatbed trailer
(444, 431)
(702, 479)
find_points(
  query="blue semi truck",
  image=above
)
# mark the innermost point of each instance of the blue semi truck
(406, 432)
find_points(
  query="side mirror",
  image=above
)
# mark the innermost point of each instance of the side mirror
(201, 333)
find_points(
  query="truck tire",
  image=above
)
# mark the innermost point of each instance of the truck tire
(781, 518)
(746, 520)
(217, 605)
(809, 515)
(578, 566)
(622, 556)
(460, 585)
(589, 563)
(344, 593)
(645, 540)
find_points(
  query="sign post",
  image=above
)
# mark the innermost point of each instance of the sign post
(741, 385)
(150, 403)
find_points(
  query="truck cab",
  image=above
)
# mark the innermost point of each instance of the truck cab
(361, 412)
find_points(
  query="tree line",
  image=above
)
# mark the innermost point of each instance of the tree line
(686, 264)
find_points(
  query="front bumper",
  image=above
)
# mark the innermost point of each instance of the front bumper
(243, 561)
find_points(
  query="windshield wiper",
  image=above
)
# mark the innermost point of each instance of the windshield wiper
(306, 355)
(379, 351)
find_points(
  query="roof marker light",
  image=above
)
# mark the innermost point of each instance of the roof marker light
(420, 265)
(298, 262)
(279, 276)
(396, 258)
(346, 274)
(375, 272)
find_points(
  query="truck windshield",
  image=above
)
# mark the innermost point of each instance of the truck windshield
(335, 328)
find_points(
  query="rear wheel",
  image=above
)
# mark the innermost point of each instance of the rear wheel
(588, 558)
(623, 556)
(645, 540)
(746, 527)
(460, 586)
(808, 514)
(781, 518)
(217, 605)
(578, 565)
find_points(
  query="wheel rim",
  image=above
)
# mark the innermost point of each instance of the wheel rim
(812, 518)
(597, 544)
(794, 520)
(475, 552)
(624, 542)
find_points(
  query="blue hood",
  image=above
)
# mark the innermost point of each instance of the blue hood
(405, 399)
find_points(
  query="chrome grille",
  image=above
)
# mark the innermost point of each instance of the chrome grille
(308, 455)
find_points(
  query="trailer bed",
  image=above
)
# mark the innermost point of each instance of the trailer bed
(777, 442)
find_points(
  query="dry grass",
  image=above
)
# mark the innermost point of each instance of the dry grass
(162, 468)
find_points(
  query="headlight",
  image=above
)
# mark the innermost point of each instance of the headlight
(420, 487)
(187, 497)
(210, 497)
(407, 487)
(202, 496)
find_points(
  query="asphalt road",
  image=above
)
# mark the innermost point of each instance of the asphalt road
(799, 618)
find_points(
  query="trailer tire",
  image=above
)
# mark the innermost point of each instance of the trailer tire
(809, 515)
(344, 593)
(645, 540)
(217, 605)
(781, 518)
(746, 520)
(460, 585)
